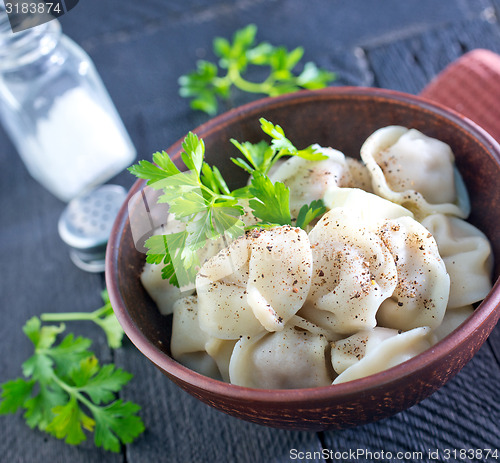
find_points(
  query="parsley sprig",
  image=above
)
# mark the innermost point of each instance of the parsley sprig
(103, 317)
(205, 85)
(260, 157)
(66, 391)
(200, 198)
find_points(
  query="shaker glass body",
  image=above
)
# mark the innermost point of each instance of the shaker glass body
(57, 111)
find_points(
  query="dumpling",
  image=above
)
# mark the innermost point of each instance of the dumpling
(369, 208)
(451, 321)
(308, 324)
(161, 291)
(310, 180)
(423, 286)
(416, 171)
(288, 359)
(221, 350)
(467, 255)
(246, 289)
(416, 296)
(348, 351)
(353, 271)
(370, 351)
(360, 175)
(323, 319)
(193, 347)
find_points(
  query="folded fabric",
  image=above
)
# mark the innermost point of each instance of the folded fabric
(471, 86)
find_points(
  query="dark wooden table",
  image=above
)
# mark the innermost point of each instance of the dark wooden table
(140, 49)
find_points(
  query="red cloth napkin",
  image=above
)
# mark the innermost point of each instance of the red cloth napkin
(471, 86)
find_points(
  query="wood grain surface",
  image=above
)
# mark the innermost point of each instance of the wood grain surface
(140, 50)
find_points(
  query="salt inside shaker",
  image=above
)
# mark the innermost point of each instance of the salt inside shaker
(57, 111)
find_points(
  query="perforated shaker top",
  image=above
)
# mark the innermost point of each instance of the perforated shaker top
(85, 225)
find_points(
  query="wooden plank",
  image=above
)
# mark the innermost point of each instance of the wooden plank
(495, 11)
(465, 413)
(39, 277)
(494, 342)
(170, 414)
(325, 23)
(94, 23)
(408, 65)
(153, 60)
(181, 428)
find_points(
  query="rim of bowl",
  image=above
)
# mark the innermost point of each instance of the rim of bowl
(439, 351)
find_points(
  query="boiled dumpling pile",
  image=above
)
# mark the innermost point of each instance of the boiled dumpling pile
(311, 180)
(416, 171)
(245, 289)
(390, 269)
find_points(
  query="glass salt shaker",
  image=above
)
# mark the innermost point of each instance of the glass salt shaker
(57, 112)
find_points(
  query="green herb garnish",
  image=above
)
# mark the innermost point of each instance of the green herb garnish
(65, 391)
(309, 212)
(271, 203)
(262, 156)
(205, 85)
(200, 198)
(103, 317)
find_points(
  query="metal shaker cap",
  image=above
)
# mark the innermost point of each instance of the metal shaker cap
(86, 222)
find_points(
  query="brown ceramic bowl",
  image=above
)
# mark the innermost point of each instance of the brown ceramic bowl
(342, 118)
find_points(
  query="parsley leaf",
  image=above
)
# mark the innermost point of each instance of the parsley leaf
(39, 408)
(99, 383)
(163, 167)
(310, 212)
(115, 423)
(261, 157)
(285, 147)
(170, 249)
(41, 337)
(68, 421)
(64, 383)
(212, 178)
(14, 395)
(205, 85)
(69, 352)
(272, 201)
